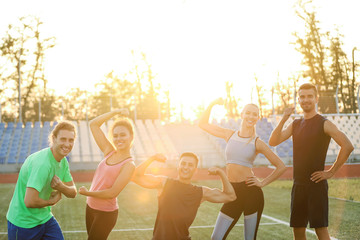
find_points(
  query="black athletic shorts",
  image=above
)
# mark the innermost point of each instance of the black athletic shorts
(249, 200)
(309, 203)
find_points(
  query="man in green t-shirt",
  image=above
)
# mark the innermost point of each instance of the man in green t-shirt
(43, 177)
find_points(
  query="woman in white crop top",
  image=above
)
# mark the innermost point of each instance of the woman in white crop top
(239, 171)
(112, 174)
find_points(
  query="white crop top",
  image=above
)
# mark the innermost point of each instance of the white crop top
(240, 151)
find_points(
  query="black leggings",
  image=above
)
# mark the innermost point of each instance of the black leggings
(250, 201)
(99, 223)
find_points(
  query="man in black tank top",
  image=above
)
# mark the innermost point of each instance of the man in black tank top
(178, 199)
(311, 136)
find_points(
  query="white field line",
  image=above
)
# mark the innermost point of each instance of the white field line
(346, 200)
(150, 229)
(277, 221)
(287, 224)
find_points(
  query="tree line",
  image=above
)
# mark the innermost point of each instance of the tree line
(23, 48)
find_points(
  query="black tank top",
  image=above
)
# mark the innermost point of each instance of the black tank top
(310, 145)
(178, 205)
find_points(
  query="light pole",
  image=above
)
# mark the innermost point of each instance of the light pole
(353, 64)
(353, 82)
(19, 73)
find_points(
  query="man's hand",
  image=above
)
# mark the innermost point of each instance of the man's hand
(56, 183)
(214, 171)
(219, 101)
(122, 111)
(287, 113)
(321, 175)
(54, 197)
(159, 157)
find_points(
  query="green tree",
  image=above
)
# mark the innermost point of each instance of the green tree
(22, 51)
(231, 102)
(340, 73)
(113, 92)
(75, 104)
(314, 50)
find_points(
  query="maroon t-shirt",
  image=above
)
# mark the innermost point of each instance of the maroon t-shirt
(178, 205)
(310, 145)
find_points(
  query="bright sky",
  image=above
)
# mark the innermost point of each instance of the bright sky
(194, 46)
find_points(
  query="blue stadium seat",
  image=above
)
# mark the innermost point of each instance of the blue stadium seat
(45, 134)
(35, 140)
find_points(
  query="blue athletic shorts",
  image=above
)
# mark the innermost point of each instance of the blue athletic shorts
(49, 230)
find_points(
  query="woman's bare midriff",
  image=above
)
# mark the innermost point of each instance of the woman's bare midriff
(238, 173)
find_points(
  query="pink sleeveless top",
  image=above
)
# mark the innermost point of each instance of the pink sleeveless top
(104, 178)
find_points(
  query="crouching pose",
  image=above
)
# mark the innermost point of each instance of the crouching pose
(178, 199)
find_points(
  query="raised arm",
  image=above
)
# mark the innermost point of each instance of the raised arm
(99, 136)
(149, 180)
(215, 195)
(32, 199)
(121, 181)
(346, 148)
(280, 168)
(212, 128)
(66, 188)
(279, 135)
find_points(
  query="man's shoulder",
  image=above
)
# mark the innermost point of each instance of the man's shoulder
(41, 153)
(39, 158)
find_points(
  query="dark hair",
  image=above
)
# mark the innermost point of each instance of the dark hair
(125, 122)
(190, 154)
(62, 125)
(307, 86)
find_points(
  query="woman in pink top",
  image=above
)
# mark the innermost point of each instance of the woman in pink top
(111, 175)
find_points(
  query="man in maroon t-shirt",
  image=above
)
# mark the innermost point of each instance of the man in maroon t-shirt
(179, 200)
(311, 136)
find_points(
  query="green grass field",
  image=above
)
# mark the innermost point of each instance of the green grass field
(138, 207)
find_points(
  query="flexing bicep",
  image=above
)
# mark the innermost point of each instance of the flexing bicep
(214, 195)
(149, 181)
(101, 140)
(217, 131)
(123, 179)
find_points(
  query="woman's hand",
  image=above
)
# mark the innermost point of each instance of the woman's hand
(253, 181)
(83, 190)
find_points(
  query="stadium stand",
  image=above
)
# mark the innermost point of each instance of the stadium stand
(75, 155)
(35, 138)
(17, 142)
(5, 142)
(145, 138)
(189, 137)
(25, 143)
(138, 146)
(84, 137)
(170, 148)
(155, 138)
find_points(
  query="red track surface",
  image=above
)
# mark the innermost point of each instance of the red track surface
(347, 171)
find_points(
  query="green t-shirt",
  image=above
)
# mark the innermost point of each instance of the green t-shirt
(36, 172)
